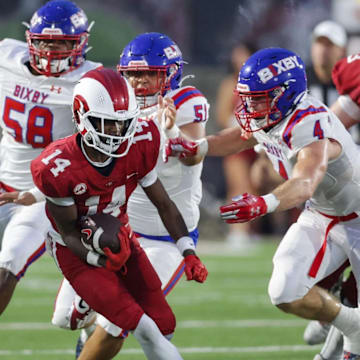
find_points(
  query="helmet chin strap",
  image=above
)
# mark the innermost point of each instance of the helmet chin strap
(95, 163)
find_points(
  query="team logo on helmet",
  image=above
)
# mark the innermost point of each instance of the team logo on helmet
(35, 20)
(79, 19)
(278, 68)
(172, 52)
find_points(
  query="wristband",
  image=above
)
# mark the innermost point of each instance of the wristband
(203, 147)
(35, 192)
(173, 132)
(92, 258)
(185, 243)
(271, 202)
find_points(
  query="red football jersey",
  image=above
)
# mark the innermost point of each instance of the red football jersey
(62, 171)
(346, 75)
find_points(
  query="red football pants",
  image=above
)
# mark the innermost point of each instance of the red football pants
(122, 299)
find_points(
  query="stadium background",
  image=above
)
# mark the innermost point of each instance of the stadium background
(229, 317)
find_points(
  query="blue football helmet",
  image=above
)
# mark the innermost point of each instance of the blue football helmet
(270, 85)
(57, 20)
(156, 53)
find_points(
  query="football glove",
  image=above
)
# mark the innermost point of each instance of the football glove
(195, 269)
(244, 208)
(182, 148)
(116, 261)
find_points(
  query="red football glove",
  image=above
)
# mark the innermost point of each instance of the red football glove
(116, 261)
(244, 208)
(181, 148)
(195, 269)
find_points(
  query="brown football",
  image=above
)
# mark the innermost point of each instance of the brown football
(99, 231)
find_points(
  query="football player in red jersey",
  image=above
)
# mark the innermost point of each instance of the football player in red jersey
(153, 65)
(96, 170)
(35, 101)
(345, 77)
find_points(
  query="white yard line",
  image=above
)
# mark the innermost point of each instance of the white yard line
(191, 350)
(181, 324)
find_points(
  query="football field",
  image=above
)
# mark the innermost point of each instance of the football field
(229, 317)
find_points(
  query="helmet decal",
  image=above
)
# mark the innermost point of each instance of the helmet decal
(278, 68)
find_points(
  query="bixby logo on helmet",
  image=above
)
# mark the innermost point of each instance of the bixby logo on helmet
(172, 52)
(278, 68)
(79, 19)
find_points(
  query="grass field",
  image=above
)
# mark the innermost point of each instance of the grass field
(229, 317)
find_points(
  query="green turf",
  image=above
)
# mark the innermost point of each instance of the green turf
(229, 317)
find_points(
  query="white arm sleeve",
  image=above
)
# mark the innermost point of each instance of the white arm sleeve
(349, 106)
(68, 201)
(148, 179)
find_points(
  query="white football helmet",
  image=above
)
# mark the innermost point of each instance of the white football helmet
(105, 111)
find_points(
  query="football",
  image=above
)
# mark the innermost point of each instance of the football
(99, 231)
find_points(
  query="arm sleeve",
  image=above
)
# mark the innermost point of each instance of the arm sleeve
(350, 107)
(346, 77)
(148, 179)
(68, 201)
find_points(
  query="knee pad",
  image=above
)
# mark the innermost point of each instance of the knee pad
(283, 290)
(61, 317)
(78, 316)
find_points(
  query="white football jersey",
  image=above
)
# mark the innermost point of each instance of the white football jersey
(339, 192)
(35, 111)
(181, 182)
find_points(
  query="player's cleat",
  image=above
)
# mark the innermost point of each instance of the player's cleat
(350, 356)
(316, 332)
(333, 346)
(352, 343)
